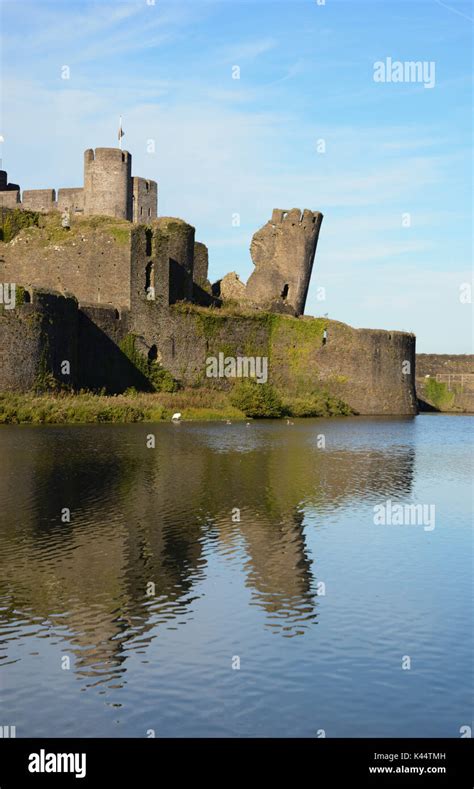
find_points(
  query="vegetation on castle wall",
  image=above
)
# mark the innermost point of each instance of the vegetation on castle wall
(438, 394)
(293, 342)
(45, 380)
(121, 234)
(46, 229)
(14, 220)
(160, 379)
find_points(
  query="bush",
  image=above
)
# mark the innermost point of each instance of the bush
(437, 393)
(317, 404)
(260, 401)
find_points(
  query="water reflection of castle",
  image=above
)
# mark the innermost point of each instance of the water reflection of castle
(141, 516)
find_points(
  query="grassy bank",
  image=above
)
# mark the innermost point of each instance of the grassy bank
(90, 408)
(193, 404)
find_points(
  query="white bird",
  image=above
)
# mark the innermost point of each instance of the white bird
(289, 423)
(228, 422)
(176, 417)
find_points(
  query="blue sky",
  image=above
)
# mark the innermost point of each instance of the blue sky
(243, 146)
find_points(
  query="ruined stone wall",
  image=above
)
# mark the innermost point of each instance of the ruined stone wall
(145, 199)
(71, 199)
(283, 252)
(179, 238)
(42, 200)
(35, 338)
(91, 261)
(102, 364)
(373, 371)
(108, 182)
(201, 263)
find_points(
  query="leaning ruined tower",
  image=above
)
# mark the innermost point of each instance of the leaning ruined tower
(108, 182)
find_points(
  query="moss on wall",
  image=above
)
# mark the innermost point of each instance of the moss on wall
(14, 220)
(160, 380)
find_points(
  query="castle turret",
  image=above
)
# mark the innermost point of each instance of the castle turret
(283, 252)
(108, 182)
(145, 199)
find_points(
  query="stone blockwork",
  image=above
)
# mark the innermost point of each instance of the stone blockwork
(178, 237)
(9, 193)
(145, 199)
(283, 252)
(231, 289)
(108, 183)
(373, 371)
(201, 264)
(71, 200)
(42, 200)
(35, 339)
(92, 261)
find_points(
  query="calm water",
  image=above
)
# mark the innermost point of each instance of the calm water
(319, 604)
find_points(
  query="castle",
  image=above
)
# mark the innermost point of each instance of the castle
(109, 190)
(122, 284)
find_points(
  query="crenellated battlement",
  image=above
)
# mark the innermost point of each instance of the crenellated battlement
(109, 190)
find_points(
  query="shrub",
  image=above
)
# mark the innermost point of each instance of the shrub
(317, 404)
(438, 394)
(260, 401)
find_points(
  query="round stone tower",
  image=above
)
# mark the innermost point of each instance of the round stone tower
(108, 182)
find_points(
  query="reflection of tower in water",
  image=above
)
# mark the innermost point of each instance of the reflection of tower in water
(140, 516)
(279, 572)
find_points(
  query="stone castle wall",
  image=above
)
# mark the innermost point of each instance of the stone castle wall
(37, 337)
(71, 199)
(42, 200)
(364, 367)
(88, 261)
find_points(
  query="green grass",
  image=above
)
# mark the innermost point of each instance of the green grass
(46, 229)
(194, 404)
(14, 220)
(438, 394)
(88, 408)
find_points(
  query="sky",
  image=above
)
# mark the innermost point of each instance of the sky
(304, 125)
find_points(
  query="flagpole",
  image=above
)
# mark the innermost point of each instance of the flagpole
(120, 133)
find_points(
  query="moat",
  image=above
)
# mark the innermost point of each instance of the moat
(227, 545)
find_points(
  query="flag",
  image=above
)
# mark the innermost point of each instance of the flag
(121, 132)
